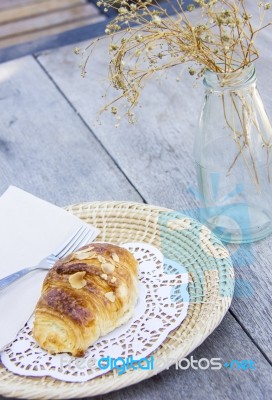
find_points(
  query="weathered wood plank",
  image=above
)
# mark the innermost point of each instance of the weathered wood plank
(163, 124)
(157, 156)
(5, 4)
(53, 41)
(47, 32)
(30, 10)
(45, 148)
(60, 17)
(223, 384)
(154, 143)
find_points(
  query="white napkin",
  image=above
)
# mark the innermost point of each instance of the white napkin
(30, 230)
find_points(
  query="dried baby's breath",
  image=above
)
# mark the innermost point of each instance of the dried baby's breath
(152, 41)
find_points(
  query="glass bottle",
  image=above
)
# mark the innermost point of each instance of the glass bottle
(233, 158)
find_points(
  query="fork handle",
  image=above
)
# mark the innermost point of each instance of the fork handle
(8, 280)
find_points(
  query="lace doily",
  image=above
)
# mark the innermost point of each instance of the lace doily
(162, 306)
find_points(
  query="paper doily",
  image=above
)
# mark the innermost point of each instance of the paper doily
(162, 305)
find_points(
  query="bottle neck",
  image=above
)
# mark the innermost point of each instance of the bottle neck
(230, 80)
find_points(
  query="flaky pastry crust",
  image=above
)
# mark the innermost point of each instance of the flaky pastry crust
(84, 296)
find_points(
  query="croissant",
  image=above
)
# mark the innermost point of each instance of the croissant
(84, 296)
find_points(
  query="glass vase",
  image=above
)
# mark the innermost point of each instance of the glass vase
(233, 158)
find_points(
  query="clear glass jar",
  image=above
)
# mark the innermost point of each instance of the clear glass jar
(233, 158)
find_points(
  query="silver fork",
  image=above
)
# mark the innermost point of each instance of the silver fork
(80, 238)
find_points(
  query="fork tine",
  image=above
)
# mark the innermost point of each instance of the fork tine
(52, 259)
(69, 241)
(85, 240)
(75, 243)
(80, 242)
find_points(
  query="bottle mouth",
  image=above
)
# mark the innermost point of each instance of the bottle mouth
(230, 80)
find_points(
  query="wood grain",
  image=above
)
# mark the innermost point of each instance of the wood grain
(224, 384)
(37, 8)
(43, 21)
(156, 144)
(6, 4)
(45, 148)
(157, 156)
(49, 31)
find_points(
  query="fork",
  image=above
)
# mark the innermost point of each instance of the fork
(79, 238)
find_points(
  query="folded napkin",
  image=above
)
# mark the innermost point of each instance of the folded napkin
(30, 230)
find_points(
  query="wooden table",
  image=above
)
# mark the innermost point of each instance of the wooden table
(22, 21)
(51, 146)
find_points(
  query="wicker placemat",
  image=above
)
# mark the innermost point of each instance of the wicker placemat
(179, 238)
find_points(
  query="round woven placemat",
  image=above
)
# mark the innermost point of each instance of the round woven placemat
(179, 238)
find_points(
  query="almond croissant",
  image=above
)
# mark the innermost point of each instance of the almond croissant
(84, 296)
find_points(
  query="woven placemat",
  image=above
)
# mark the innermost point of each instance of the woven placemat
(180, 238)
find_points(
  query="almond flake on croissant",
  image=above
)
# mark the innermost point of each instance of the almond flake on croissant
(80, 301)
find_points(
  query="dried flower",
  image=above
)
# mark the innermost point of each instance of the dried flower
(114, 110)
(191, 7)
(156, 20)
(192, 71)
(153, 42)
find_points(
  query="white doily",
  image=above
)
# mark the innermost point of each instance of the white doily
(162, 306)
